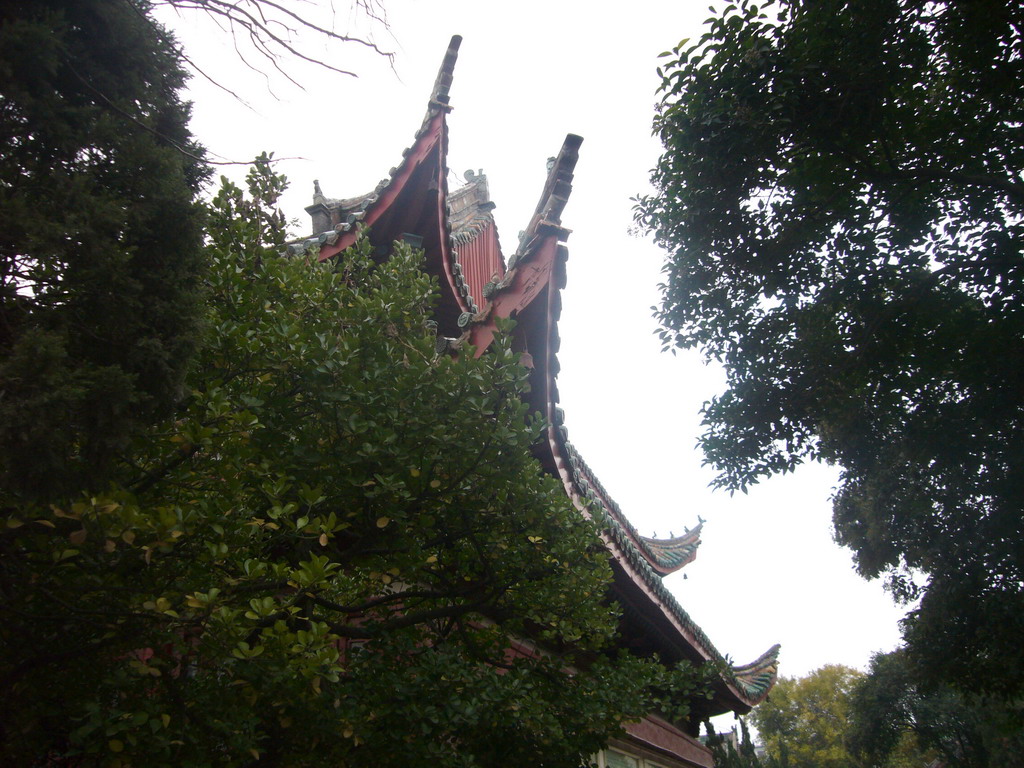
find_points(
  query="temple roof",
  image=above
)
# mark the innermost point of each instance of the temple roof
(753, 680)
(665, 556)
(479, 287)
(474, 236)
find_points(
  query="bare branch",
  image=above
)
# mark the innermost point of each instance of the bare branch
(274, 29)
(183, 56)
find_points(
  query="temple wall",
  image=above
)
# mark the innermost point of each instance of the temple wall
(655, 743)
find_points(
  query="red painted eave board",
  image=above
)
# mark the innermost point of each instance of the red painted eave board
(428, 141)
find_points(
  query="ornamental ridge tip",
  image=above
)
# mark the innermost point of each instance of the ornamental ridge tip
(444, 75)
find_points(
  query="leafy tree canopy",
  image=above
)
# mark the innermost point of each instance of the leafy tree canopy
(892, 713)
(841, 193)
(100, 235)
(321, 556)
(803, 722)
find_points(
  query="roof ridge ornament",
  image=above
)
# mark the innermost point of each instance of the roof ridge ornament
(671, 554)
(757, 678)
(444, 75)
(558, 185)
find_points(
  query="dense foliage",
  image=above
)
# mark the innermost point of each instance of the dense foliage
(887, 718)
(803, 722)
(841, 193)
(99, 238)
(728, 755)
(892, 714)
(321, 557)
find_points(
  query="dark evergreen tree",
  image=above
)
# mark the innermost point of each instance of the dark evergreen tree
(99, 238)
(727, 755)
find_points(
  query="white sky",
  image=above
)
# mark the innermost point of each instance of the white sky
(528, 73)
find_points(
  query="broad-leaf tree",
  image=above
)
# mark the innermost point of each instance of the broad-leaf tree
(841, 195)
(893, 716)
(803, 723)
(338, 551)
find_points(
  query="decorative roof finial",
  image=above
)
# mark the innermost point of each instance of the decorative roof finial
(444, 75)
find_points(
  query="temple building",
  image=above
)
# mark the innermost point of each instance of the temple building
(479, 286)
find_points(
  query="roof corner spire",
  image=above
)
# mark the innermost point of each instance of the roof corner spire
(444, 75)
(558, 185)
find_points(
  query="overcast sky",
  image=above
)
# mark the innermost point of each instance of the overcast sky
(528, 73)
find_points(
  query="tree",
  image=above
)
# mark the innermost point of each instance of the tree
(338, 550)
(890, 711)
(100, 258)
(841, 196)
(728, 756)
(803, 722)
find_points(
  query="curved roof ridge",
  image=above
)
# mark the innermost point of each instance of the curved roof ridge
(664, 555)
(758, 677)
(351, 212)
(751, 682)
(515, 289)
(446, 72)
(673, 553)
